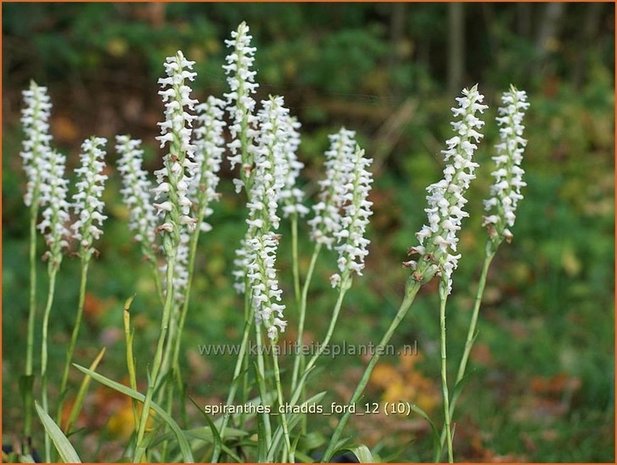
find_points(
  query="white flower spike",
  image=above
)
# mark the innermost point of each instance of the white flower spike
(87, 201)
(209, 149)
(446, 198)
(267, 179)
(136, 191)
(257, 253)
(506, 190)
(291, 195)
(36, 150)
(328, 219)
(174, 179)
(351, 241)
(241, 105)
(54, 191)
(266, 295)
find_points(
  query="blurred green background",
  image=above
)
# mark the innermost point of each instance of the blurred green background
(541, 380)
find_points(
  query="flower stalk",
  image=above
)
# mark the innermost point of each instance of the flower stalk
(53, 226)
(172, 188)
(326, 221)
(88, 206)
(35, 154)
(137, 196)
(505, 193)
(411, 290)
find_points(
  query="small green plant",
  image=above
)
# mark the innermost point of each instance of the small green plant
(168, 215)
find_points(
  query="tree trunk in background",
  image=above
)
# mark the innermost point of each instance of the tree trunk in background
(397, 34)
(548, 30)
(593, 18)
(523, 19)
(456, 47)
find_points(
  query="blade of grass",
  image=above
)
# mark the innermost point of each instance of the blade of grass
(60, 441)
(362, 453)
(81, 394)
(187, 455)
(293, 420)
(130, 359)
(215, 432)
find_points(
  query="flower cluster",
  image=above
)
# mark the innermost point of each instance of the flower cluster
(257, 253)
(351, 243)
(265, 292)
(446, 198)
(241, 80)
(87, 202)
(54, 191)
(209, 148)
(333, 195)
(291, 195)
(174, 178)
(136, 191)
(267, 180)
(181, 267)
(271, 164)
(506, 190)
(36, 145)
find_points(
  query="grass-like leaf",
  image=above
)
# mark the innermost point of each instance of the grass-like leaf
(81, 394)
(185, 449)
(293, 420)
(216, 437)
(362, 453)
(435, 431)
(63, 446)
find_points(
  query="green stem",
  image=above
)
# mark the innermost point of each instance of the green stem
(27, 443)
(185, 304)
(411, 290)
(299, 389)
(156, 366)
(130, 359)
(80, 310)
(294, 258)
(279, 390)
(263, 392)
(471, 333)
(53, 270)
(165, 387)
(169, 410)
(167, 353)
(443, 298)
(345, 285)
(299, 355)
(157, 278)
(172, 349)
(471, 336)
(234, 385)
(249, 317)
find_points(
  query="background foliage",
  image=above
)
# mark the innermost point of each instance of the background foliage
(541, 385)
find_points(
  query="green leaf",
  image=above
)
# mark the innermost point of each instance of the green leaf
(81, 394)
(311, 441)
(205, 434)
(128, 338)
(26, 382)
(261, 442)
(436, 435)
(62, 444)
(292, 420)
(362, 453)
(215, 432)
(182, 442)
(303, 457)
